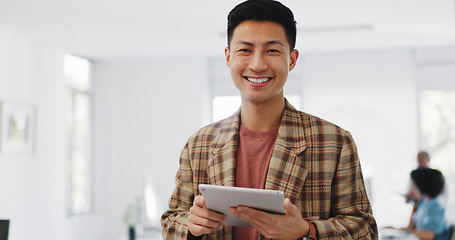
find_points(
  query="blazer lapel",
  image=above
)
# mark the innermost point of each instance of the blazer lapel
(222, 160)
(286, 170)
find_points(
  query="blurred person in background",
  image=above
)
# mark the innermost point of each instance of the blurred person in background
(423, 161)
(429, 221)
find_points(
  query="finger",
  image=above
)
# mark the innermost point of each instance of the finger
(214, 216)
(253, 216)
(233, 211)
(268, 224)
(199, 222)
(254, 213)
(290, 208)
(207, 214)
(265, 223)
(198, 230)
(244, 216)
(204, 222)
(200, 209)
(199, 201)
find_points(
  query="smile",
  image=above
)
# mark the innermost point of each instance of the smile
(258, 80)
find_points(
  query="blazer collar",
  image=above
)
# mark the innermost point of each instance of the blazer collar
(286, 170)
(289, 145)
(222, 161)
(292, 130)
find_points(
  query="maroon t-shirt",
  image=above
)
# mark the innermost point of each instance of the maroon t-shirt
(253, 158)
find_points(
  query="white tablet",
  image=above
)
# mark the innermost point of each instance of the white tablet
(221, 198)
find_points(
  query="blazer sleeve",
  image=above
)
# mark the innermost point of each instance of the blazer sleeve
(174, 222)
(350, 210)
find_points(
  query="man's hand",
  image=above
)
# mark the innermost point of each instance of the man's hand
(201, 220)
(291, 225)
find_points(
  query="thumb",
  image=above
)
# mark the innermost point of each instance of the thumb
(290, 208)
(199, 201)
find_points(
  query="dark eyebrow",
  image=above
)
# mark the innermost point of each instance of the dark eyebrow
(245, 43)
(272, 42)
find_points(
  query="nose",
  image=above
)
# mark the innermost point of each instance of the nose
(258, 63)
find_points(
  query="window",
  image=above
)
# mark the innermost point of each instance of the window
(437, 127)
(78, 118)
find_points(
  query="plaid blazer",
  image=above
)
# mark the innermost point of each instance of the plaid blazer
(314, 162)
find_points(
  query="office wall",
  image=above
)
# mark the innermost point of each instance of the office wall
(145, 111)
(372, 94)
(32, 186)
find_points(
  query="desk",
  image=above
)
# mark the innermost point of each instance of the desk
(389, 233)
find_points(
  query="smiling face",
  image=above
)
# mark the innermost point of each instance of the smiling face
(259, 58)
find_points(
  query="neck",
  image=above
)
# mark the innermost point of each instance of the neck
(426, 198)
(262, 117)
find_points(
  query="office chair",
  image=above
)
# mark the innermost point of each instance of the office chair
(4, 228)
(451, 231)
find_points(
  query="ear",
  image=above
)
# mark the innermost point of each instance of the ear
(293, 59)
(227, 54)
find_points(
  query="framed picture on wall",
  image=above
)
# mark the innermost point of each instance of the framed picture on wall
(17, 122)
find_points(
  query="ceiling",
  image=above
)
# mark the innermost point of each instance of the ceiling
(106, 29)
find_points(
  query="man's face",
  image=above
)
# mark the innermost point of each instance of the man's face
(422, 160)
(259, 59)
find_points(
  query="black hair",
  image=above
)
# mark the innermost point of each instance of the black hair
(428, 181)
(263, 10)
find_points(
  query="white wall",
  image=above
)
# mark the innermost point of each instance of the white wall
(146, 110)
(32, 186)
(372, 94)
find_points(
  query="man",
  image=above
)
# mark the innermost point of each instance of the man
(269, 144)
(423, 161)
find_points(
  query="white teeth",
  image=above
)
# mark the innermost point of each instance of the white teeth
(258, 80)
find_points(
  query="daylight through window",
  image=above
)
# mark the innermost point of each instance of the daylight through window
(78, 118)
